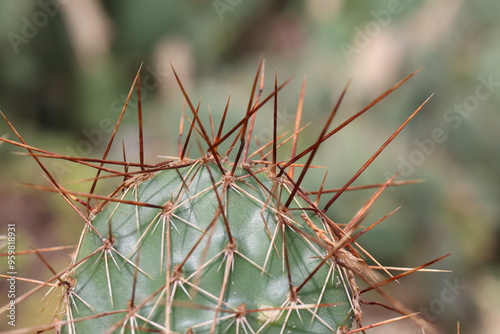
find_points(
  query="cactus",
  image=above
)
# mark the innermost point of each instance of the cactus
(226, 242)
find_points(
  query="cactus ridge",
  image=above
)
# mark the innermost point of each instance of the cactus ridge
(214, 244)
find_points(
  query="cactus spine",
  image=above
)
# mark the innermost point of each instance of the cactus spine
(214, 244)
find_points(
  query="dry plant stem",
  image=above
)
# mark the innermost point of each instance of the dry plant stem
(219, 243)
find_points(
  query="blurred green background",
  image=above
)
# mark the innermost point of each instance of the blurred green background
(66, 67)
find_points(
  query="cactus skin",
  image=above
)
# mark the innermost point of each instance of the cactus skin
(233, 275)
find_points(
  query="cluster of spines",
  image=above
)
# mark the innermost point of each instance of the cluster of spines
(339, 241)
